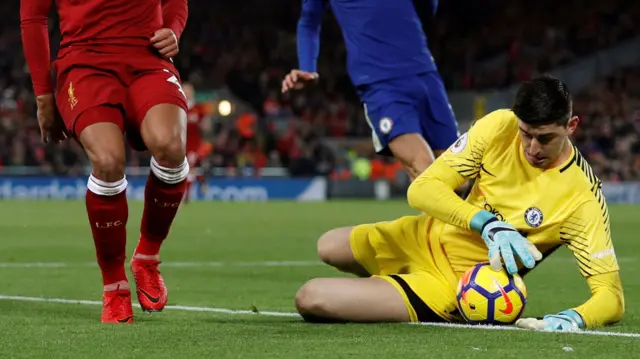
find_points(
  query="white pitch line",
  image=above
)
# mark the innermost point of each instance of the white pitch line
(167, 264)
(195, 264)
(495, 327)
(296, 315)
(172, 307)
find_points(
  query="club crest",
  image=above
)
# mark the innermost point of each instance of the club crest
(533, 216)
(71, 93)
(386, 124)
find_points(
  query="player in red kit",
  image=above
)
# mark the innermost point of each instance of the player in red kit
(115, 76)
(195, 145)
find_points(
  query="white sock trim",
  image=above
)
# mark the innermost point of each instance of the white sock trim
(103, 188)
(170, 175)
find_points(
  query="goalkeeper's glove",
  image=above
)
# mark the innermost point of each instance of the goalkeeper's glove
(503, 240)
(568, 320)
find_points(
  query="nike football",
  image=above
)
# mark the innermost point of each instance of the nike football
(489, 297)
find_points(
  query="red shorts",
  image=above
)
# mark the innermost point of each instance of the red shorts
(133, 79)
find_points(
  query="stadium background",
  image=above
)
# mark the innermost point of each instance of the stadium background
(236, 57)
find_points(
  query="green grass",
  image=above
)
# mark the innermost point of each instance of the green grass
(257, 232)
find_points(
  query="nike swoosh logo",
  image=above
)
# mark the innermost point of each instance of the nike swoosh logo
(464, 281)
(152, 299)
(507, 300)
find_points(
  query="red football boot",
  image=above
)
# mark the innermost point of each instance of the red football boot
(150, 288)
(116, 307)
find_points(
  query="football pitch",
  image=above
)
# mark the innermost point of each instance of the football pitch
(232, 270)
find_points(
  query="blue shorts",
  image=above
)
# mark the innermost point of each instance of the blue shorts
(414, 104)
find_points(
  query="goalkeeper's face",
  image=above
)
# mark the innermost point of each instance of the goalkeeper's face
(547, 146)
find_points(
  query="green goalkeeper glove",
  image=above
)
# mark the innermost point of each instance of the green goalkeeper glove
(504, 241)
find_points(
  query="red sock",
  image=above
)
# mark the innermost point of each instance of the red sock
(108, 211)
(162, 198)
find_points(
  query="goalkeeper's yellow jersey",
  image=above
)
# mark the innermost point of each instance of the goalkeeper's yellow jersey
(554, 207)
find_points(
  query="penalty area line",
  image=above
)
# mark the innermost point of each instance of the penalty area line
(296, 315)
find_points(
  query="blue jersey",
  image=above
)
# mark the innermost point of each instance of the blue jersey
(384, 38)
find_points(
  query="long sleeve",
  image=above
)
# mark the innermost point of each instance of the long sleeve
(35, 43)
(308, 35)
(587, 234)
(174, 15)
(433, 191)
(606, 305)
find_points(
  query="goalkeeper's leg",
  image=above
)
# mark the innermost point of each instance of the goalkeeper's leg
(334, 248)
(326, 300)
(362, 300)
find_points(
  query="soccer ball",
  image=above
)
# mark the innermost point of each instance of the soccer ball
(489, 297)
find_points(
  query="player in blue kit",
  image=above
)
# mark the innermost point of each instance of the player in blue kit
(388, 60)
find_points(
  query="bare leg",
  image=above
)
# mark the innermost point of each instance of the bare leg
(106, 199)
(334, 248)
(106, 204)
(363, 300)
(163, 132)
(413, 152)
(416, 156)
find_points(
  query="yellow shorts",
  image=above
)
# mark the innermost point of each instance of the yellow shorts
(402, 253)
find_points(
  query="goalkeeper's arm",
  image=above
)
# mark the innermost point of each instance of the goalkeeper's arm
(595, 255)
(606, 305)
(433, 192)
(589, 238)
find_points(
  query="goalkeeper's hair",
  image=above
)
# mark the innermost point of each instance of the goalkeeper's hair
(543, 100)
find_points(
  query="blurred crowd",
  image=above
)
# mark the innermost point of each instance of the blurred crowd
(248, 49)
(610, 125)
(496, 43)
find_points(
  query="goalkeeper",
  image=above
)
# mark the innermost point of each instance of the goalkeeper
(533, 193)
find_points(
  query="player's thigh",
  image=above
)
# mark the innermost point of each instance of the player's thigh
(389, 116)
(439, 125)
(82, 88)
(103, 141)
(334, 249)
(159, 107)
(392, 113)
(391, 247)
(351, 300)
